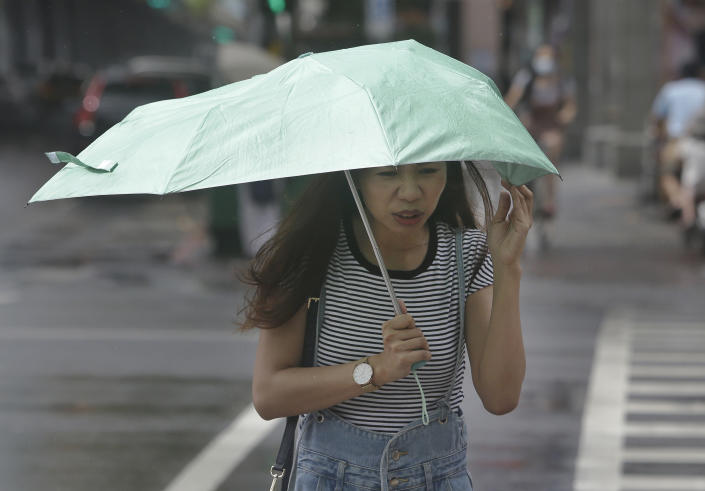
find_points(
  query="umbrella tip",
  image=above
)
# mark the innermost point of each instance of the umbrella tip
(53, 157)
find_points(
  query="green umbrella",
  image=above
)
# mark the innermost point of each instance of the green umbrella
(376, 105)
(384, 104)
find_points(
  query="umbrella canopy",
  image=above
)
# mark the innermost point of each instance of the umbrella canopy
(375, 105)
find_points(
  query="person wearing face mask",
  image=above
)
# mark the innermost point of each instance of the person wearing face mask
(545, 102)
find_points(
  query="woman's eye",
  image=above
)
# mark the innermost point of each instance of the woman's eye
(389, 173)
(428, 170)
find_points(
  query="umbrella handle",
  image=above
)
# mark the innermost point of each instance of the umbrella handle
(375, 247)
(388, 282)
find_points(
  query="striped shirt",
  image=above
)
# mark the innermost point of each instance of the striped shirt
(357, 304)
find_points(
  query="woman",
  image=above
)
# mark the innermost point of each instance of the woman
(364, 427)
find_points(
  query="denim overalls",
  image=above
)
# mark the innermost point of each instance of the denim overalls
(334, 455)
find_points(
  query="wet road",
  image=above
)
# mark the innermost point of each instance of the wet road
(117, 367)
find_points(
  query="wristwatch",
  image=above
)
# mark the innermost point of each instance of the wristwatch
(362, 375)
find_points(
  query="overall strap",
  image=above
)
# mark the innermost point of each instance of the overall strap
(461, 309)
(320, 310)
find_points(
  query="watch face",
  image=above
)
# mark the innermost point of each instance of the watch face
(362, 374)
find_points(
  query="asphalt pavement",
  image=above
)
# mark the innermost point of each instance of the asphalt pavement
(120, 361)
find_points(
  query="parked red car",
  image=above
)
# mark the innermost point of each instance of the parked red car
(112, 93)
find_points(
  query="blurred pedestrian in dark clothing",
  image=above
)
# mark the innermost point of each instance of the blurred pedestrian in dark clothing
(259, 212)
(544, 100)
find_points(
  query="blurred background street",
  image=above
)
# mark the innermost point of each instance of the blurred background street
(121, 364)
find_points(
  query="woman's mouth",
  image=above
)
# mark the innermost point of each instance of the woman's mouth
(408, 217)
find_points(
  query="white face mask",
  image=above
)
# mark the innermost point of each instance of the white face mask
(543, 65)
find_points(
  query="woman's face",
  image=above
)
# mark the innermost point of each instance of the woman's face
(402, 198)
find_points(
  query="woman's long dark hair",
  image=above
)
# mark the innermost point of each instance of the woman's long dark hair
(291, 266)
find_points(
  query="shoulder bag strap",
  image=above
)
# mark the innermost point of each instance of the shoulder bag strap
(285, 456)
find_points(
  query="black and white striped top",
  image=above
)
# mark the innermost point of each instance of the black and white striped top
(357, 304)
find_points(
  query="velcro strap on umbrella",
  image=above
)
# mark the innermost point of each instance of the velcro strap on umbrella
(65, 158)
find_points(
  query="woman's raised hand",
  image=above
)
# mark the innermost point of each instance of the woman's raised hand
(404, 345)
(508, 230)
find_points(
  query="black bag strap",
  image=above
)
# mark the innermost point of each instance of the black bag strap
(285, 456)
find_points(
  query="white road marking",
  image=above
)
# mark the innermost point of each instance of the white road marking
(598, 465)
(213, 465)
(662, 483)
(665, 455)
(670, 327)
(682, 371)
(671, 334)
(672, 388)
(674, 372)
(660, 357)
(679, 430)
(663, 407)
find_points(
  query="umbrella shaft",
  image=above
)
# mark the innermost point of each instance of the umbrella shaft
(375, 247)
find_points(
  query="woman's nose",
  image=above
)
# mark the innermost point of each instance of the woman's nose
(409, 189)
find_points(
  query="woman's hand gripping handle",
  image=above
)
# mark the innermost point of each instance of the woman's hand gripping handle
(404, 347)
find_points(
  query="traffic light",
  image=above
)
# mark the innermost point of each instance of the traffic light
(277, 6)
(159, 4)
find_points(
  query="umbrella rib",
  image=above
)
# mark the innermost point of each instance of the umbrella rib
(374, 106)
(487, 80)
(187, 153)
(193, 186)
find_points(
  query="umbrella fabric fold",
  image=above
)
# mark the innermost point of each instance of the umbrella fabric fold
(385, 104)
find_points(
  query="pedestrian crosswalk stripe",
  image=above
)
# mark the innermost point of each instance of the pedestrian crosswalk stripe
(680, 430)
(674, 328)
(598, 466)
(668, 388)
(660, 357)
(652, 438)
(683, 371)
(661, 407)
(661, 483)
(665, 455)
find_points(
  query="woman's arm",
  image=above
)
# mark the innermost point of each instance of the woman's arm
(492, 320)
(281, 388)
(495, 343)
(517, 88)
(514, 95)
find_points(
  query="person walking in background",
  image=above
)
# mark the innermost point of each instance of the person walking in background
(259, 212)
(691, 149)
(673, 109)
(544, 100)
